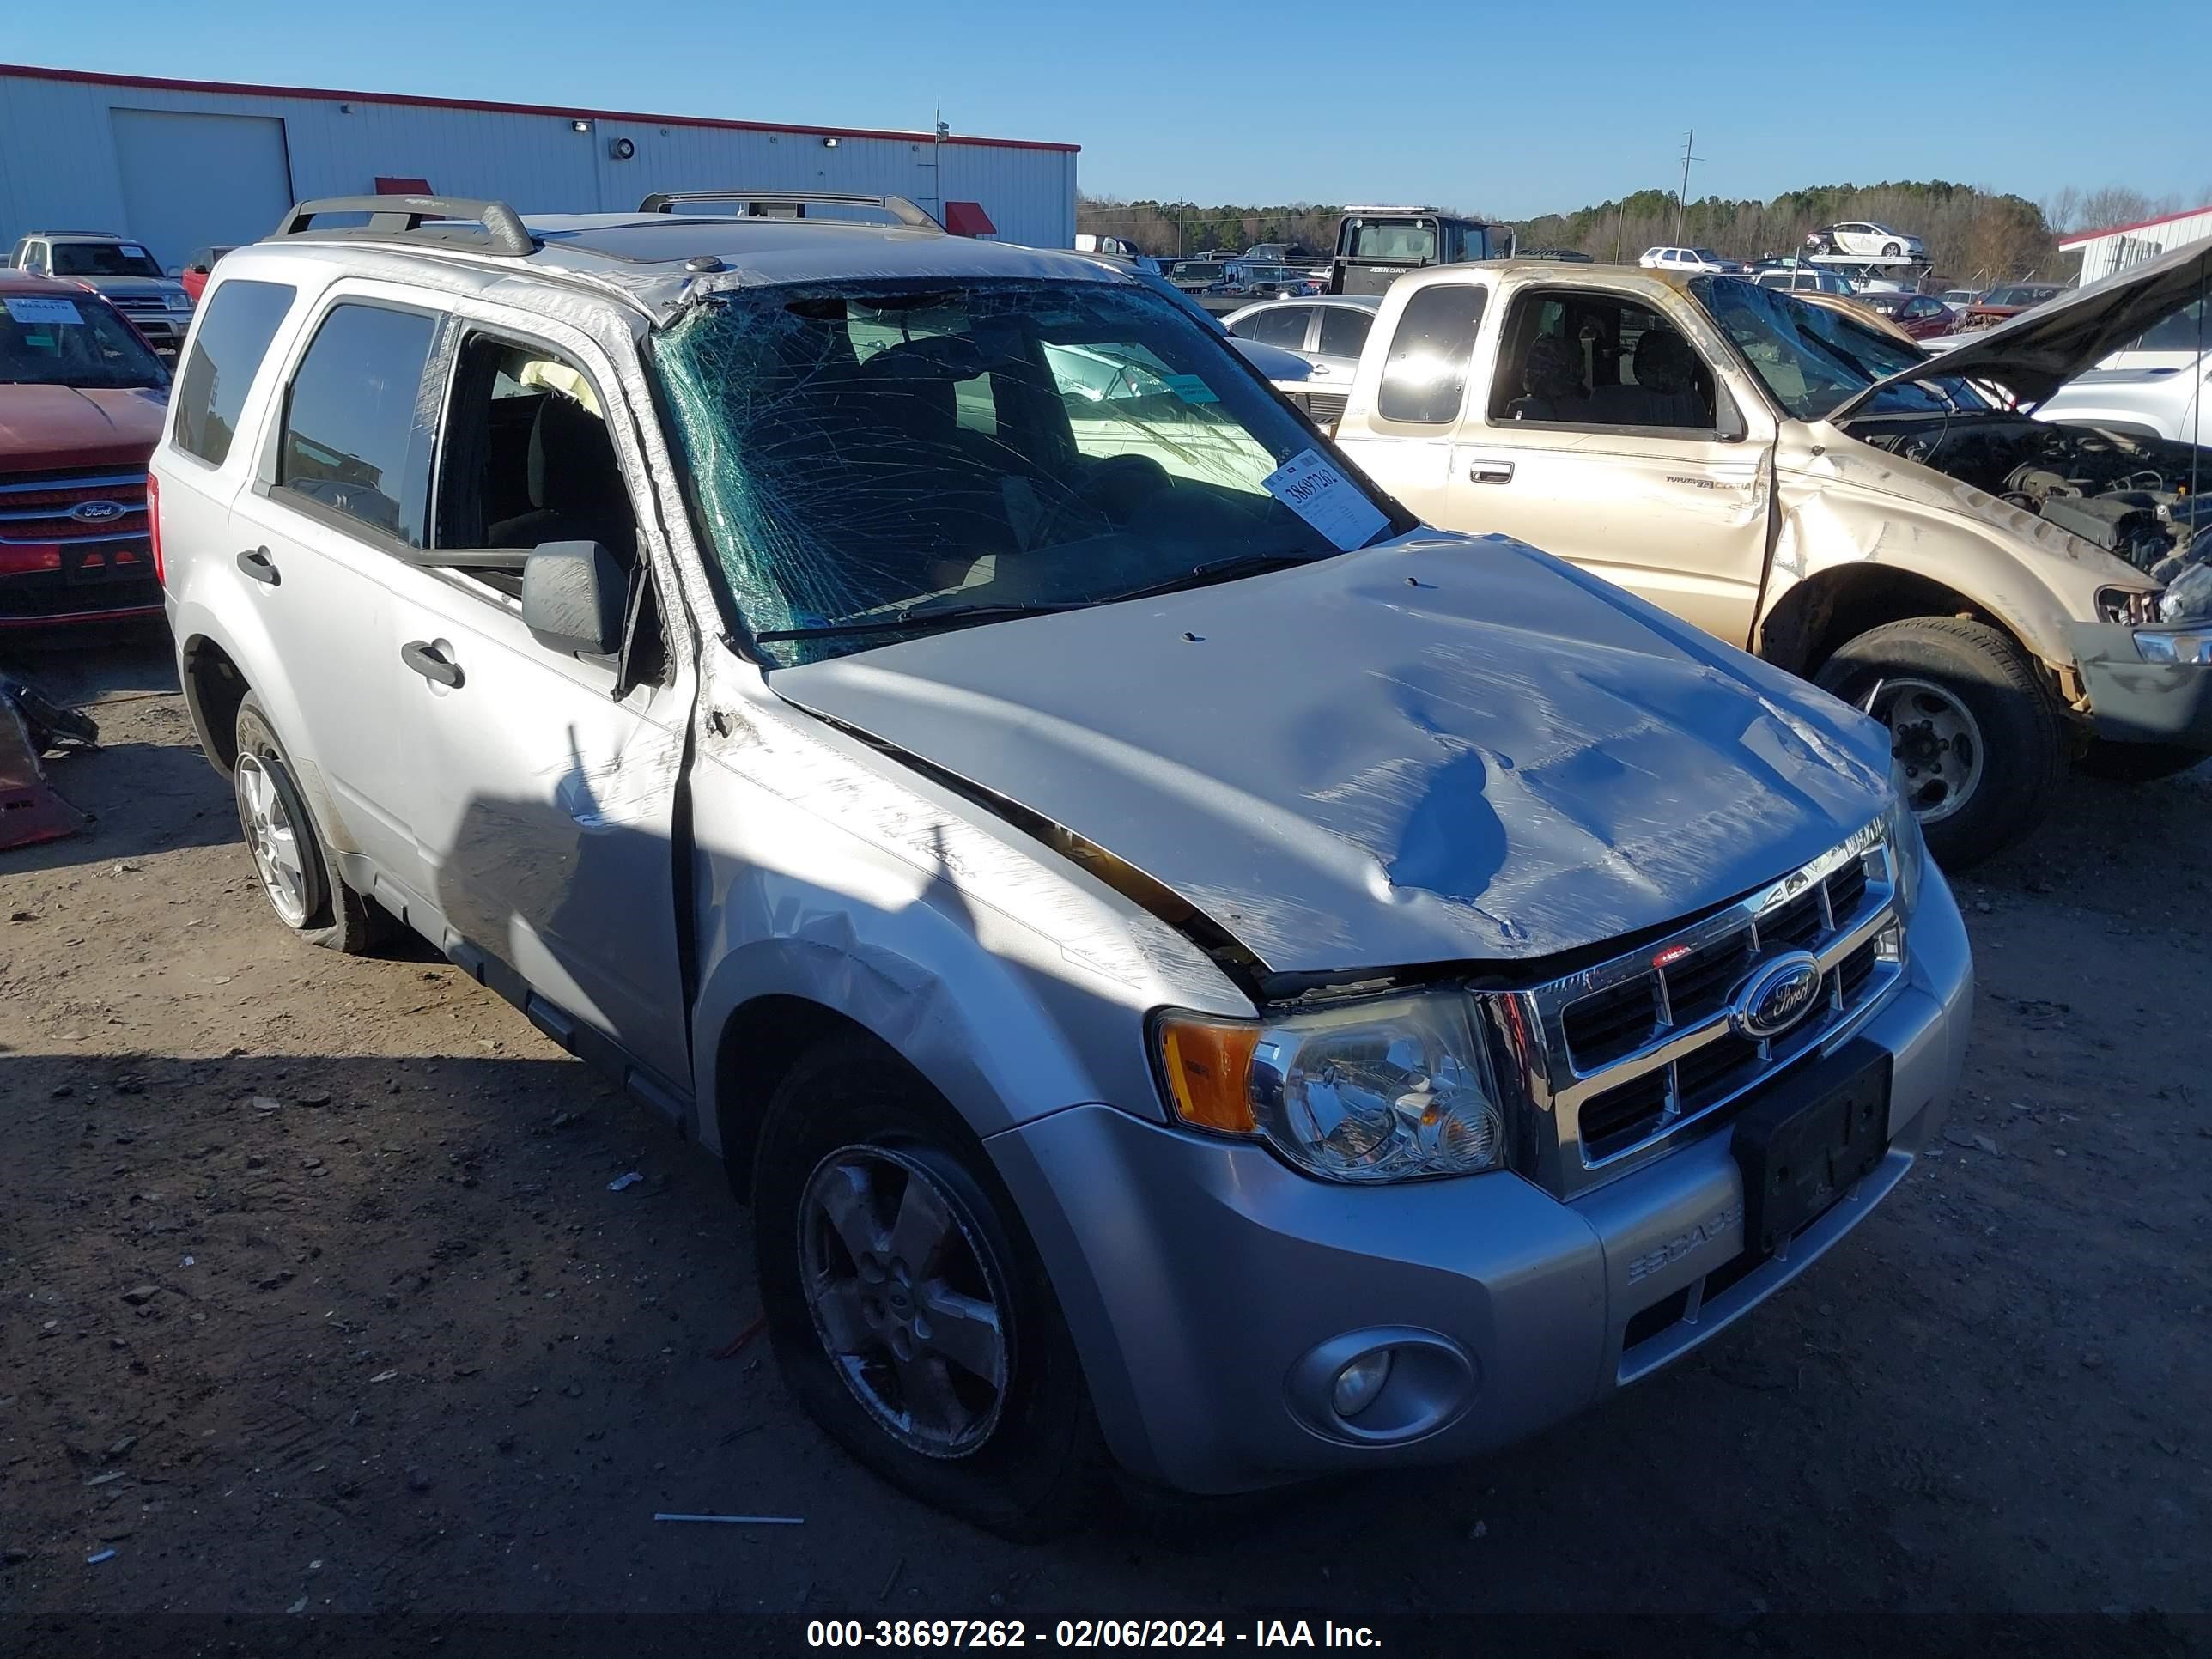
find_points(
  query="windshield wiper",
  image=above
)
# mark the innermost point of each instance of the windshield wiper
(1244, 564)
(920, 622)
(1217, 570)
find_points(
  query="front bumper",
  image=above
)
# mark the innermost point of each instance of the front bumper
(2131, 700)
(1200, 1276)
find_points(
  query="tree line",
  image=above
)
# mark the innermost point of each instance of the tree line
(1972, 235)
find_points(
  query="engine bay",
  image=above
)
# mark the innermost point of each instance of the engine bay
(2128, 495)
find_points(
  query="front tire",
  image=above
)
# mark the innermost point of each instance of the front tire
(1973, 729)
(907, 1308)
(1892, 250)
(295, 873)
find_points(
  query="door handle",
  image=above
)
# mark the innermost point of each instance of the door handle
(256, 563)
(1490, 472)
(426, 660)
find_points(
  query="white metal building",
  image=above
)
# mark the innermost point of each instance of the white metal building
(2104, 252)
(182, 164)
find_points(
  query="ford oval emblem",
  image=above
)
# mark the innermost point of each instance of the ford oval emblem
(97, 511)
(1776, 998)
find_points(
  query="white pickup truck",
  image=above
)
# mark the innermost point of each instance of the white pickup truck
(2006, 593)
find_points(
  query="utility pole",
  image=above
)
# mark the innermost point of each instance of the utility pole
(937, 162)
(1682, 197)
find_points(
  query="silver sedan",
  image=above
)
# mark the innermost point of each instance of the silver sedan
(1328, 332)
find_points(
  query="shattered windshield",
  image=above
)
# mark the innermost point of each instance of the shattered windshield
(874, 461)
(1812, 358)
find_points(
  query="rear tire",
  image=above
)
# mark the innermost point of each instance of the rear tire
(297, 879)
(2138, 763)
(1969, 719)
(985, 1415)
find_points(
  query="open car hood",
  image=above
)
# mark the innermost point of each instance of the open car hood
(1444, 748)
(2034, 353)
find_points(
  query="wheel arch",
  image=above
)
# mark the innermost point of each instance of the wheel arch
(1815, 616)
(214, 687)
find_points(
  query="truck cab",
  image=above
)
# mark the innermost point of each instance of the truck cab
(1376, 246)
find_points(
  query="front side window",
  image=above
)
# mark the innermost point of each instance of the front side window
(356, 435)
(72, 339)
(2185, 330)
(103, 259)
(526, 457)
(1586, 357)
(850, 504)
(236, 325)
(1425, 377)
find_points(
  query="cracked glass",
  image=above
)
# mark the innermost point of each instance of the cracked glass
(876, 461)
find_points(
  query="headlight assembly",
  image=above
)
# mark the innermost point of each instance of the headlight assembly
(1391, 1089)
(2177, 645)
(1908, 853)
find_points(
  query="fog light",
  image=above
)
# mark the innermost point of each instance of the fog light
(1358, 1384)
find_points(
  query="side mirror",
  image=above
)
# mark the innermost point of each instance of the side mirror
(575, 595)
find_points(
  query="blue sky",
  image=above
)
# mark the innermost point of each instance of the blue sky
(1510, 109)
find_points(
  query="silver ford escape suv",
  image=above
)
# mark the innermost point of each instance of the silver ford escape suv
(1191, 969)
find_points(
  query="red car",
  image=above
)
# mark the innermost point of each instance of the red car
(194, 276)
(83, 397)
(1921, 315)
(2000, 304)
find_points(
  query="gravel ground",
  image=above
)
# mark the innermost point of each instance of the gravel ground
(316, 1298)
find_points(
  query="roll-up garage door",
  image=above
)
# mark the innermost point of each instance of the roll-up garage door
(194, 181)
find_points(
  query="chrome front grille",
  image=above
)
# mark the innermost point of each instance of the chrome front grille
(1617, 1059)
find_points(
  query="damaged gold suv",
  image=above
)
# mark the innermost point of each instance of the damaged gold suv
(2006, 594)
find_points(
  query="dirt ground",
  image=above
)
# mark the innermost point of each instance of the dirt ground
(313, 1296)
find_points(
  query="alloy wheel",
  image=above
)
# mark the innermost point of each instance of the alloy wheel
(274, 839)
(909, 1300)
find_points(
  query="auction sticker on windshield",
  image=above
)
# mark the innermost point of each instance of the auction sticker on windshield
(1313, 489)
(43, 311)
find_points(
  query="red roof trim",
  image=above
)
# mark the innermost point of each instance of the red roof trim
(92, 77)
(2082, 237)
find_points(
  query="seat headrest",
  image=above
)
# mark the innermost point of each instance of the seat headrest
(571, 457)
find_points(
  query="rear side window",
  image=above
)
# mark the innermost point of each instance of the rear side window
(1425, 377)
(357, 438)
(1344, 330)
(241, 319)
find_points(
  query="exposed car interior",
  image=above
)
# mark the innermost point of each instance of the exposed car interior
(1577, 358)
(527, 457)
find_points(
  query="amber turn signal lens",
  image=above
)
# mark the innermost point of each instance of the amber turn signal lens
(1208, 1071)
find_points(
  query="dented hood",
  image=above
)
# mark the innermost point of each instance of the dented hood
(2032, 355)
(1445, 749)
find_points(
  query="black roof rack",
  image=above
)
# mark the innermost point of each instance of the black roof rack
(667, 201)
(403, 218)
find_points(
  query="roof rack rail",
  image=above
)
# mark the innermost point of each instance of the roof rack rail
(398, 217)
(666, 201)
